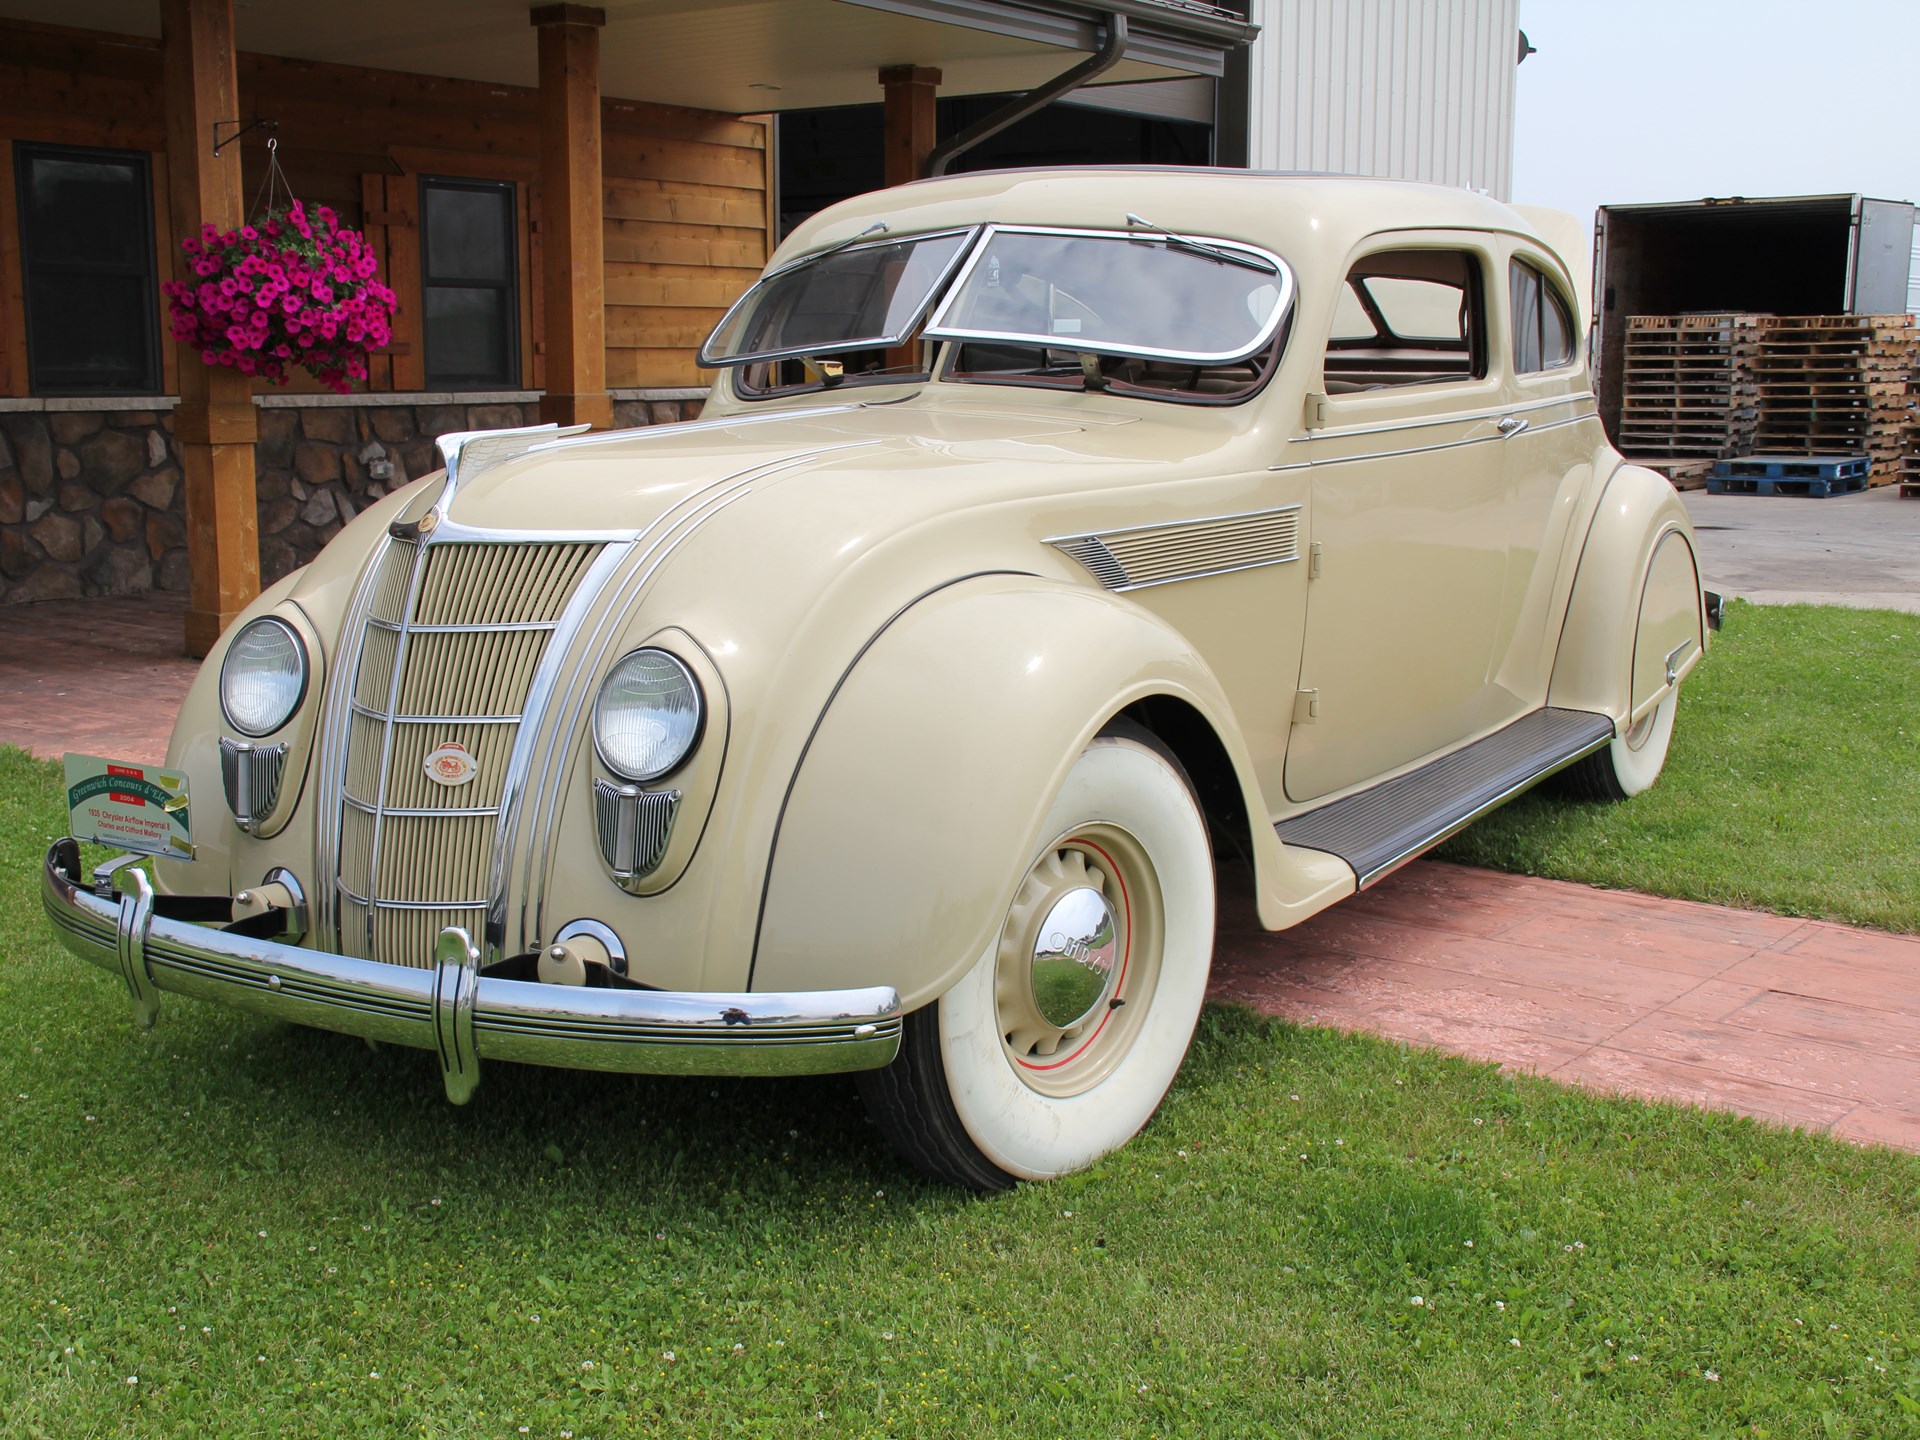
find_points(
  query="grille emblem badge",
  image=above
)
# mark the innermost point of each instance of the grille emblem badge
(451, 764)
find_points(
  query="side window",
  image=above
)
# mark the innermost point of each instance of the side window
(468, 284)
(87, 261)
(1408, 317)
(1542, 323)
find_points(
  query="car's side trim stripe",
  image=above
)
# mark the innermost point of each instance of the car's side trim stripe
(1317, 463)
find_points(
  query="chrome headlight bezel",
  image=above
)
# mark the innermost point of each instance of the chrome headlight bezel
(622, 766)
(273, 622)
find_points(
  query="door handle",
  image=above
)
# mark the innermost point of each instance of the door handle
(1510, 426)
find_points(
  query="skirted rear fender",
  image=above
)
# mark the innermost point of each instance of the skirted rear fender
(1636, 622)
(917, 803)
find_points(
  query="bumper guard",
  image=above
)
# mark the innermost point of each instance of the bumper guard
(453, 1009)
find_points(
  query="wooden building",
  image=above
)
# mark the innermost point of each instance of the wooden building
(564, 198)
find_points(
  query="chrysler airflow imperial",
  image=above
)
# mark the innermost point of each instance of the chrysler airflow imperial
(1048, 537)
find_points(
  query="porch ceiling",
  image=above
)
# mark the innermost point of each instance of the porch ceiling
(742, 56)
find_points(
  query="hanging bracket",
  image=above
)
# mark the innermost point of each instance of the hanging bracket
(245, 127)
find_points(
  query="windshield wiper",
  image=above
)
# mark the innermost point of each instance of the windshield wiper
(1200, 247)
(877, 228)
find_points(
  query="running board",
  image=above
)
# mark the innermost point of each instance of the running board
(1382, 827)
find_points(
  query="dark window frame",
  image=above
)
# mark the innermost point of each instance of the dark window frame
(511, 377)
(151, 380)
(1398, 358)
(1546, 293)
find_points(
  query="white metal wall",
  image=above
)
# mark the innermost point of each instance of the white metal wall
(1413, 89)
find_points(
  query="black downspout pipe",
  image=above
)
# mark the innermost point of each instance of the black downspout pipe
(1109, 55)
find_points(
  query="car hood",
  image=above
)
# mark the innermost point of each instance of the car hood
(630, 480)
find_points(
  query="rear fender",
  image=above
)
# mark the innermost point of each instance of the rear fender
(1636, 622)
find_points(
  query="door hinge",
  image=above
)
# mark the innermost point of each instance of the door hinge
(1315, 415)
(1306, 706)
(1313, 560)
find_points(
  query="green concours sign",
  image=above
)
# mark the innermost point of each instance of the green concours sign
(138, 808)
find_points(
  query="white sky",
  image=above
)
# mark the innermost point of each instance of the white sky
(1639, 100)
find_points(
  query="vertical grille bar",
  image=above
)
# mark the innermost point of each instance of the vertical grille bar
(415, 571)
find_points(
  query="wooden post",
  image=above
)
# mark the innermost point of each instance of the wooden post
(574, 248)
(909, 120)
(215, 426)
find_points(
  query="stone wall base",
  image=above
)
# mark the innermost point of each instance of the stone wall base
(91, 501)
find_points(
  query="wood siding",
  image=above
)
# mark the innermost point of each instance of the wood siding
(685, 191)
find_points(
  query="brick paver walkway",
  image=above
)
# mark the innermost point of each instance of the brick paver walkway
(1799, 1021)
(104, 677)
(1796, 1021)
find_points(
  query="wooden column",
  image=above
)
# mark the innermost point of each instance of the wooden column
(575, 244)
(909, 120)
(215, 427)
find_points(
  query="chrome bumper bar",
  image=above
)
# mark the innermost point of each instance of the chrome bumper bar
(453, 1009)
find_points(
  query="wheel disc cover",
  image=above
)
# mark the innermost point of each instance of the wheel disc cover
(1077, 960)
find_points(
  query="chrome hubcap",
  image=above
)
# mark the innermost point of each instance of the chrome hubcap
(1076, 958)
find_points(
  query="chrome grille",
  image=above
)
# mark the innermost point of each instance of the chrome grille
(452, 640)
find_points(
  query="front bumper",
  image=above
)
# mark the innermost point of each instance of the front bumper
(453, 1009)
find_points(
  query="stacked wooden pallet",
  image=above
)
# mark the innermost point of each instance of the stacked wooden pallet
(1688, 388)
(1836, 385)
(1910, 447)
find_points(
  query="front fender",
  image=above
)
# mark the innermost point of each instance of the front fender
(919, 797)
(1636, 601)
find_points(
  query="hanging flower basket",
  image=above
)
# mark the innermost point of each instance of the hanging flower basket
(291, 289)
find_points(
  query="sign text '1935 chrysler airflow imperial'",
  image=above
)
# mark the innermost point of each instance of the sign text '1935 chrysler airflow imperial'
(1047, 536)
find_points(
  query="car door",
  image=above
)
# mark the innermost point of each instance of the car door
(1409, 535)
(1549, 456)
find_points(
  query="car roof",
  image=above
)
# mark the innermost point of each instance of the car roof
(1310, 219)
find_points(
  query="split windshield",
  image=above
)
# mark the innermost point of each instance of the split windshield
(1147, 294)
(853, 297)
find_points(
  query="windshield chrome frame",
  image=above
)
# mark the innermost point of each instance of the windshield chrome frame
(707, 359)
(1282, 272)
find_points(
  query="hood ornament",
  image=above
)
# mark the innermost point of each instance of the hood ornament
(471, 453)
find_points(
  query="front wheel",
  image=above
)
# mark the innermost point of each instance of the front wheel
(1060, 1041)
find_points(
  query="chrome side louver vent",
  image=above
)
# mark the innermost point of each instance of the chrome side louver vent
(1186, 549)
(634, 827)
(250, 774)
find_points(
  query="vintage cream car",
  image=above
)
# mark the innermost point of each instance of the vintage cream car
(1048, 537)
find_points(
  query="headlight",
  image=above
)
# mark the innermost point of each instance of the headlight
(264, 677)
(648, 715)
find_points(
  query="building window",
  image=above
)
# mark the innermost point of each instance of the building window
(470, 299)
(87, 262)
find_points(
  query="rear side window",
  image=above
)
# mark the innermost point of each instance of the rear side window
(1542, 321)
(1408, 317)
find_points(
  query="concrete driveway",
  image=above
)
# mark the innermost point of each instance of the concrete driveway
(1861, 550)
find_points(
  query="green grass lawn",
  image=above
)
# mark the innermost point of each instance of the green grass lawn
(229, 1227)
(1793, 783)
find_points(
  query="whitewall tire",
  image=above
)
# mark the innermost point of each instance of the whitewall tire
(1060, 1041)
(1631, 762)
